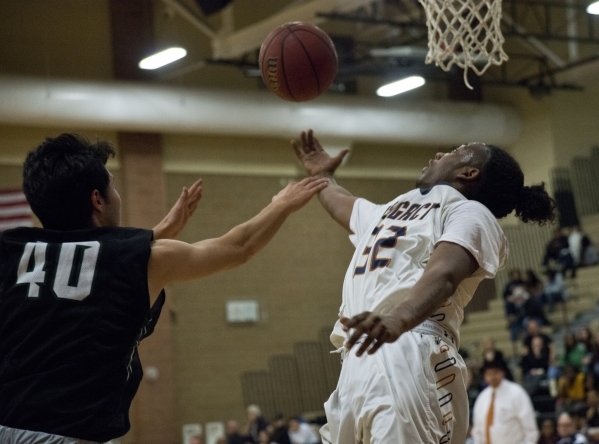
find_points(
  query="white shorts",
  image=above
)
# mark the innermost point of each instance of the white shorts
(410, 391)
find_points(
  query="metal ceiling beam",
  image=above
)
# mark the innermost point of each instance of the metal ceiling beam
(250, 38)
(191, 18)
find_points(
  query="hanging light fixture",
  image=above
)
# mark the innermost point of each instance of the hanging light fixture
(162, 58)
(400, 86)
(593, 8)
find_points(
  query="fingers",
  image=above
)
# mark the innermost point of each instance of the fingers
(339, 157)
(369, 328)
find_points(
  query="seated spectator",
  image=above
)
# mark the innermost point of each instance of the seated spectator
(548, 433)
(533, 330)
(232, 432)
(535, 365)
(301, 433)
(491, 354)
(592, 415)
(256, 423)
(533, 284)
(557, 254)
(574, 352)
(515, 280)
(570, 389)
(590, 256)
(575, 244)
(567, 431)
(280, 434)
(196, 439)
(555, 289)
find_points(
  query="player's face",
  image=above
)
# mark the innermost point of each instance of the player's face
(113, 205)
(444, 167)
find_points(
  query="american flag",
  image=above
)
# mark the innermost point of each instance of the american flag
(14, 210)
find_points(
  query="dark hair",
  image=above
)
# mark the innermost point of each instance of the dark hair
(501, 189)
(59, 177)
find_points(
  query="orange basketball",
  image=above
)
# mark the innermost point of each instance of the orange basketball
(298, 61)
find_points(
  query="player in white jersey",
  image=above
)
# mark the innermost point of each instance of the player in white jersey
(417, 263)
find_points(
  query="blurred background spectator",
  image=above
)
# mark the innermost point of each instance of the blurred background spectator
(548, 432)
(491, 354)
(301, 432)
(256, 423)
(567, 431)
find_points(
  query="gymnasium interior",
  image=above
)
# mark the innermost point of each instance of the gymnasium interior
(259, 334)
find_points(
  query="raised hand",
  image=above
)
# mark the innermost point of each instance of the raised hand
(176, 219)
(297, 194)
(313, 157)
(373, 329)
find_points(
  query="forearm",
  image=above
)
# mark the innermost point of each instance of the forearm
(337, 201)
(246, 239)
(427, 295)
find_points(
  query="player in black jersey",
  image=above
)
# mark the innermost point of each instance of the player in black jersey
(77, 296)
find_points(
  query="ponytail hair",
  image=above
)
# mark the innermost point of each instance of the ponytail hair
(501, 189)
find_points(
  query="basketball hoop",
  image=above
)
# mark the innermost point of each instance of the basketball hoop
(466, 33)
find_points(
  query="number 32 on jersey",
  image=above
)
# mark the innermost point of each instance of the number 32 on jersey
(74, 274)
(372, 252)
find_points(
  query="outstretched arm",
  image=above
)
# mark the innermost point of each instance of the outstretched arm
(448, 265)
(335, 199)
(176, 219)
(172, 261)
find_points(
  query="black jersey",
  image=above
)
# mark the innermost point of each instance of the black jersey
(73, 308)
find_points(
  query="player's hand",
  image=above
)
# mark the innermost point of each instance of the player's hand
(375, 330)
(176, 219)
(313, 157)
(297, 194)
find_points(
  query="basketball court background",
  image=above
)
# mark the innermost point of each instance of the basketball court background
(200, 357)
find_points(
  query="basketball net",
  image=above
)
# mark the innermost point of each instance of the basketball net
(466, 33)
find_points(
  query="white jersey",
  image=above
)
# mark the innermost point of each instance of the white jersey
(395, 241)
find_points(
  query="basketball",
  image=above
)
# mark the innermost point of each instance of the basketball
(298, 61)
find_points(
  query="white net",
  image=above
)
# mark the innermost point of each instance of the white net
(466, 33)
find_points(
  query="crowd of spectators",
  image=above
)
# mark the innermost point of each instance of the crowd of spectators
(561, 387)
(280, 430)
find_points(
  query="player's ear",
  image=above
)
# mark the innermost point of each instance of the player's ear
(97, 201)
(468, 173)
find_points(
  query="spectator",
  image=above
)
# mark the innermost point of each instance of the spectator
(590, 256)
(575, 244)
(592, 415)
(503, 412)
(566, 429)
(574, 352)
(280, 434)
(533, 284)
(491, 354)
(557, 254)
(196, 439)
(533, 330)
(232, 432)
(515, 313)
(555, 289)
(548, 433)
(570, 388)
(585, 336)
(256, 423)
(301, 433)
(263, 437)
(535, 365)
(515, 281)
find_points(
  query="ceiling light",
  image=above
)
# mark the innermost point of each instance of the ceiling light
(162, 58)
(593, 8)
(400, 86)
